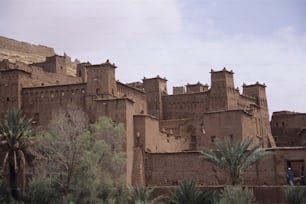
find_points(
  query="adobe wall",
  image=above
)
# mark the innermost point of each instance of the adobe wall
(155, 89)
(41, 78)
(185, 105)
(287, 128)
(236, 123)
(181, 133)
(245, 101)
(130, 143)
(10, 89)
(135, 95)
(149, 137)
(193, 133)
(42, 101)
(171, 168)
(112, 108)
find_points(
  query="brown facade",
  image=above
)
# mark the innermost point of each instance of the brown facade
(155, 121)
(289, 128)
(168, 169)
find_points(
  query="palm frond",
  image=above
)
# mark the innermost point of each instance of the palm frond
(141, 194)
(234, 157)
(15, 134)
(187, 193)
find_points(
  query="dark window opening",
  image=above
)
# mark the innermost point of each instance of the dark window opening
(193, 142)
(35, 118)
(7, 99)
(213, 138)
(80, 73)
(283, 124)
(97, 91)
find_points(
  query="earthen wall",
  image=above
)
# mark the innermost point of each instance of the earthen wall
(149, 136)
(288, 128)
(155, 89)
(185, 105)
(135, 95)
(164, 169)
(40, 102)
(42, 78)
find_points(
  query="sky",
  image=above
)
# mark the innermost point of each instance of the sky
(181, 40)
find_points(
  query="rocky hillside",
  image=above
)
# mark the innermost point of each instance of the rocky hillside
(28, 53)
(14, 50)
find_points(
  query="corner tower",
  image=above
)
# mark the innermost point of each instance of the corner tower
(101, 80)
(257, 91)
(155, 89)
(261, 115)
(223, 95)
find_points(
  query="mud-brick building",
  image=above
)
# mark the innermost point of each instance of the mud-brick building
(289, 128)
(156, 122)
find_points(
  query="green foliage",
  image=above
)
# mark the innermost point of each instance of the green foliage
(295, 194)
(236, 195)
(234, 157)
(141, 195)
(87, 163)
(186, 193)
(44, 190)
(4, 194)
(16, 137)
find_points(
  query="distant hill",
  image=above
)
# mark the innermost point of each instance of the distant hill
(25, 52)
(14, 50)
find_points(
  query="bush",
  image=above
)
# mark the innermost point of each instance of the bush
(236, 195)
(187, 193)
(43, 190)
(295, 195)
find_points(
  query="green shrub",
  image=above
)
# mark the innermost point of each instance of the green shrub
(187, 193)
(44, 190)
(295, 195)
(236, 195)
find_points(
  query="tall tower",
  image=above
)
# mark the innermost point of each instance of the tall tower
(261, 115)
(155, 89)
(101, 80)
(12, 79)
(258, 91)
(223, 95)
(82, 70)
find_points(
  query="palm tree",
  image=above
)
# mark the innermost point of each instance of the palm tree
(234, 157)
(186, 193)
(141, 195)
(15, 137)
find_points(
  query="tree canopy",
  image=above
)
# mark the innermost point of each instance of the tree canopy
(82, 162)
